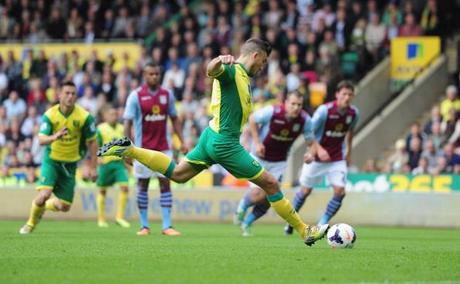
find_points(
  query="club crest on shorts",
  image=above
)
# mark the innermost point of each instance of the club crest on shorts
(255, 163)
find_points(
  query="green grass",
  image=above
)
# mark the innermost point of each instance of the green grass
(79, 252)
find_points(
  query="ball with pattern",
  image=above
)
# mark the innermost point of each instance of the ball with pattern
(341, 236)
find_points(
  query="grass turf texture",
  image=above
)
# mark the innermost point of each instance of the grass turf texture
(79, 252)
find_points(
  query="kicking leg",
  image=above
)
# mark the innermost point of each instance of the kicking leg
(299, 200)
(283, 207)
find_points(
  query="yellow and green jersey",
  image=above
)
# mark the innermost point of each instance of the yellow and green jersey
(72, 146)
(105, 134)
(231, 101)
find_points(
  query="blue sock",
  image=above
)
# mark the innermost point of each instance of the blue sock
(332, 207)
(258, 211)
(143, 204)
(299, 200)
(245, 203)
(166, 204)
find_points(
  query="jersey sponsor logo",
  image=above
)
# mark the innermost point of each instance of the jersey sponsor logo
(163, 100)
(155, 117)
(335, 134)
(278, 121)
(334, 116)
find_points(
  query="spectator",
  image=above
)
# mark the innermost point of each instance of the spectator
(15, 106)
(174, 78)
(431, 21)
(371, 166)
(399, 159)
(375, 35)
(436, 136)
(451, 101)
(56, 26)
(410, 27)
(435, 116)
(88, 101)
(422, 167)
(392, 12)
(415, 132)
(452, 159)
(293, 78)
(431, 153)
(33, 119)
(415, 152)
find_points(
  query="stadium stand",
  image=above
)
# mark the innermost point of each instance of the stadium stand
(316, 44)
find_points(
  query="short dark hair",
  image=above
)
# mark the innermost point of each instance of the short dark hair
(294, 93)
(151, 64)
(255, 45)
(345, 84)
(68, 83)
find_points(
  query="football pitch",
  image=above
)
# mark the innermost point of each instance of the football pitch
(79, 252)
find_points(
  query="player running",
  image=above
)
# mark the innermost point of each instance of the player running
(219, 143)
(147, 111)
(66, 130)
(274, 129)
(112, 170)
(333, 124)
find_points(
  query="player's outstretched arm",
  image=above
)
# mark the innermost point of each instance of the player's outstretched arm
(214, 67)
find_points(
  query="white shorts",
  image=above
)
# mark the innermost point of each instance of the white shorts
(276, 169)
(141, 171)
(334, 172)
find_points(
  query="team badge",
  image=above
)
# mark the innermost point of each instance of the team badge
(163, 100)
(296, 127)
(348, 119)
(76, 123)
(339, 127)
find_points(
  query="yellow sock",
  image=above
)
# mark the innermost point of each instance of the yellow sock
(35, 214)
(100, 201)
(49, 205)
(284, 208)
(154, 160)
(121, 206)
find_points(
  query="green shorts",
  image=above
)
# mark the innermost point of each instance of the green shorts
(112, 173)
(58, 176)
(214, 148)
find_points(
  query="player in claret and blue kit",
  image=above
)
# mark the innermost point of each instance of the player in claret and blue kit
(333, 125)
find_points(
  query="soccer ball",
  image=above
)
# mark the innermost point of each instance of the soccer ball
(341, 236)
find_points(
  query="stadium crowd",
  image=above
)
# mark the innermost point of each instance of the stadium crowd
(316, 44)
(432, 148)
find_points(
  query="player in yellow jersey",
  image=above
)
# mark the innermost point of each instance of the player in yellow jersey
(231, 104)
(67, 131)
(111, 170)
